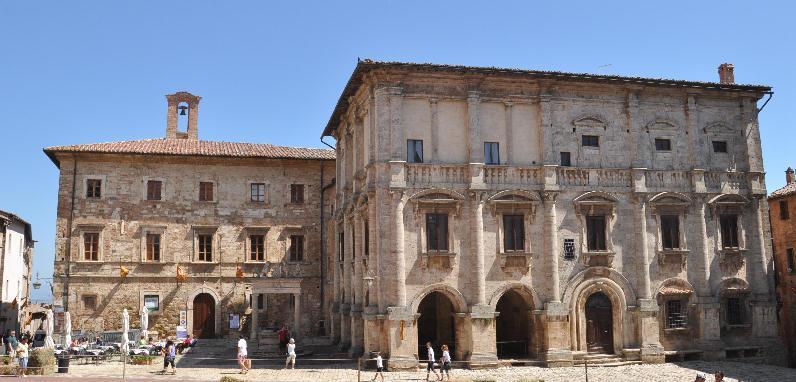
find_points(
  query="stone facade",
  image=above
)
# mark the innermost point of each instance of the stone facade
(783, 232)
(584, 173)
(153, 190)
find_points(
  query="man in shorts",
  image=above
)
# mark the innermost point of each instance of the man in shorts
(243, 356)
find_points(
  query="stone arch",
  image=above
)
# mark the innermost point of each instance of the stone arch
(531, 196)
(660, 197)
(591, 120)
(660, 124)
(728, 198)
(592, 273)
(453, 194)
(732, 284)
(216, 298)
(526, 292)
(458, 300)
(677, 283)
(598, 195)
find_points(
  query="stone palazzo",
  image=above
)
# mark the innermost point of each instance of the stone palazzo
(550, 216)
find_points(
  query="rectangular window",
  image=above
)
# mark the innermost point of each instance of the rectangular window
(734, 311)
(91, 246)
(790, 259)
(675, 314)
(491, 153)
(205, 191)
(93, 188)
(205, 247)
(565, 159)
(297, 193)
(296, 247)
(719, 146)
(663, 144)
(258, 192)
(590, 141)
(260, 301)
(340, 246)
(257, 247)
(729, 231)
(437, 232)
(153, 247)
(89, 302)
(367, 239)
(154, 189)
(414, 151)
(569, 249)
(152, 302)
(595, 233)
(670, 231)
(513, 233)
(784, 214)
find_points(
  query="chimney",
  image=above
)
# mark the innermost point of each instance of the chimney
(789, 177)
(726, 75)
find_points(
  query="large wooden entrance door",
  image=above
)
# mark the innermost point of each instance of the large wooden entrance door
(204, 316)
(599, 324)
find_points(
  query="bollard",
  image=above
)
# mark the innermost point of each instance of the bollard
(359, 369)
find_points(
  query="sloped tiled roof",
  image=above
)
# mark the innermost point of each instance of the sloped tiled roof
(188, 147)
(787, 190)
(365, 66)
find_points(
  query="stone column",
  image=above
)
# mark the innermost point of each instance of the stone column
(357, 328)
(509, 132)
(551, 244)
(478, 248)
(397, 134)
(643, 249)
(703, 249)
(476, 153)
(345, 305)
(254, 324)
(651, 349)
(398, 248)
(296, 315)
(759, 282)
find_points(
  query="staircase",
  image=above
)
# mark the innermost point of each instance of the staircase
(600, 359)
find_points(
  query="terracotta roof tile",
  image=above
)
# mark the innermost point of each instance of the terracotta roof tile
(787, 190)
(187, 147)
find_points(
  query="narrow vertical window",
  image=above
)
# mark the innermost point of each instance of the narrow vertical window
(296, 248)
(675, 315)
(297, 193)
(260, 300)
(784, 214)
(205, 247)
(91, 246)
(491, 153)
(340, 246)
(414, 151)
(734, 311)
(790, 259)
(437, 232)
(595, 233)
(729, 230)
(154, 190)
(94, 188)
(513, 233)
(258, 192)
(152, 247)
(257, 247)
(205, 191)
(565, 159)
(670, 231)
(367, 239)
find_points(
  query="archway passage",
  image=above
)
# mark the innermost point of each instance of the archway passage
(204, 316)
(513, 326)
(599, 324)
(435, 325)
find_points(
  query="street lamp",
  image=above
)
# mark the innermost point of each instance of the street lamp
(37, 283)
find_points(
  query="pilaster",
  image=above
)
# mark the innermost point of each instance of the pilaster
(556, 351)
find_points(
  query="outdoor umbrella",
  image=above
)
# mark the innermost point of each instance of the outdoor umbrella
(48, 331)
(144, 322)
(67, 330)
(125, 329)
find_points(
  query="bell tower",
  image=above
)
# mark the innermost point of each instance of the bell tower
(182, 104)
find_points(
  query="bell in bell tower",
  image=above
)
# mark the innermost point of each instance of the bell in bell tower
(182, 105)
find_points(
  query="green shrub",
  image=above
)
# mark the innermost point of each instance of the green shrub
(44, 359)
(142, 359)
(8, 370)
(6, 360)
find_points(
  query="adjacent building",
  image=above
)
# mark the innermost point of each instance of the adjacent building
(16, 263)
(545, 215)
(195, 231)
(783, 234)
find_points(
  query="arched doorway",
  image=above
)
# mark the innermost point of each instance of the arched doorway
(204, 316)
(513, 326)
(599, 324)
(435, 324)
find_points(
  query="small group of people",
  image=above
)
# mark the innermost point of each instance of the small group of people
(444, 361)
(718, 377)
(19, 350)
(246, 364)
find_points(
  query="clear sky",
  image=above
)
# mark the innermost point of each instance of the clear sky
(94, 71)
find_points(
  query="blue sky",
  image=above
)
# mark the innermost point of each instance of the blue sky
(90, 71)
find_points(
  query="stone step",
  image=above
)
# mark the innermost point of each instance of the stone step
(599, 361)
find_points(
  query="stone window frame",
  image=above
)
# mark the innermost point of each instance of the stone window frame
(662, 129)
(249, 232)
(83, 297)
(432, 201)
(142, 293)
(596, 203)
(720, 131)
(215, 254)
(199, 191)
(677, 289)
(83, 229)
(248, 193)
(590, 125)
(725, 204)
(735, 288)
(305, 194)
(670, 203)
(289, 231)
(145, 188)
(103, 187)
(524, 203)
(152, 229)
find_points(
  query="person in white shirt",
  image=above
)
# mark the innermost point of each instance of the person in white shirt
(379, 367)
(430, 366)
(291, 354)
(446, 362)
(243, 356)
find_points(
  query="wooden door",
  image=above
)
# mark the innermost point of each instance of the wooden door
(599, 324)
(204, 316)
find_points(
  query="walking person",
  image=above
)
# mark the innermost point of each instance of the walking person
(291, 354)
(379, 367)
(169, 355)
(11, 343)
(22, 355)
(243, 356)
(445, 360)
(283, 337)
(430, 366)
